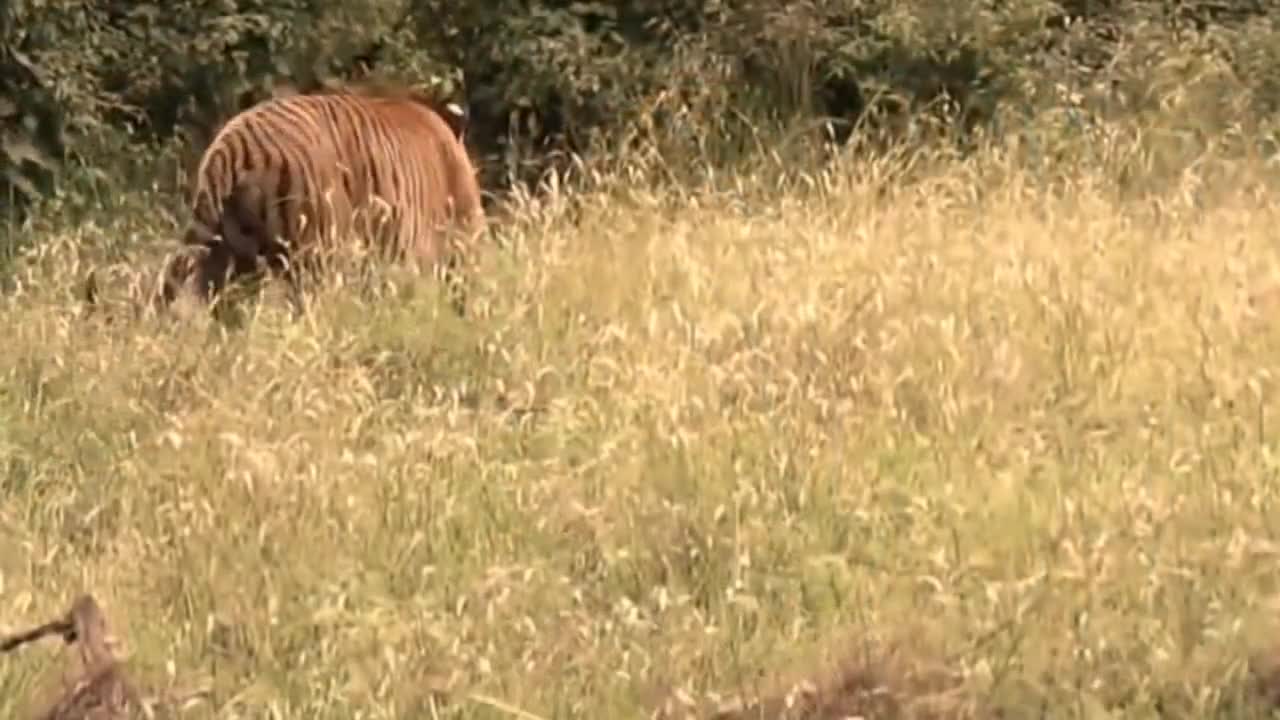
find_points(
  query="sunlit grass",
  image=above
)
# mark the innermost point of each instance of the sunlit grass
(994, 444)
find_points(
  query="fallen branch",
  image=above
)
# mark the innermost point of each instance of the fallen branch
(101, 690)
(57, 627)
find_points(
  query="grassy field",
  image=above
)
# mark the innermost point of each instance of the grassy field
(970, 446)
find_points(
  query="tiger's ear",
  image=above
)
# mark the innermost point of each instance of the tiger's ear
(455, 116)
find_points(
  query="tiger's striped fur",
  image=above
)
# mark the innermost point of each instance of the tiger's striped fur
(289, 173)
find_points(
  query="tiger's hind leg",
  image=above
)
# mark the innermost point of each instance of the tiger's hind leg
(454, 278)
(454, 270)
(245, 241)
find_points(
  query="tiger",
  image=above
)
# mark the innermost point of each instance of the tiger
(289, 173)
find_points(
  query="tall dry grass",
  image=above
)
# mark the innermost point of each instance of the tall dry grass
(989, 438)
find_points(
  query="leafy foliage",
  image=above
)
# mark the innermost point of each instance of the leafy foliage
(547, 79)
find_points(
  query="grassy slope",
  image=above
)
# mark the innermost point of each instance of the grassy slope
(689, 448)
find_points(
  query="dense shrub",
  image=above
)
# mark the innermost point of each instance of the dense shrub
(708, 78)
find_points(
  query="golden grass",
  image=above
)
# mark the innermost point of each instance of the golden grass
(1016, 442)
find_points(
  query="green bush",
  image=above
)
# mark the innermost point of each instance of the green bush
(714, 81)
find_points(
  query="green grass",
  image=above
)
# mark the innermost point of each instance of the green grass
(1010, 450)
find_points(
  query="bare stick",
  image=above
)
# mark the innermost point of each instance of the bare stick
(58, 627)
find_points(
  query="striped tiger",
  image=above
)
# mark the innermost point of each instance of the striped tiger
(286, 175)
